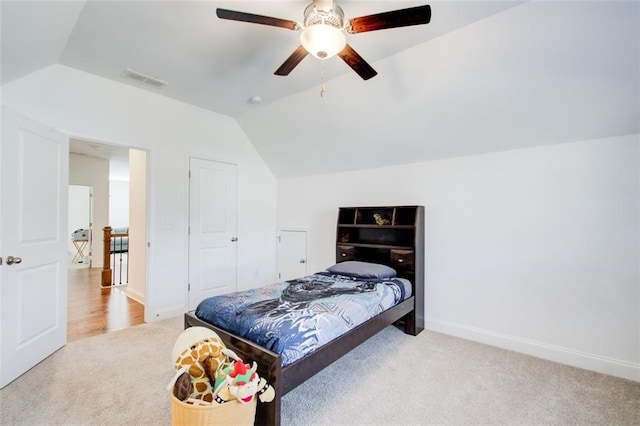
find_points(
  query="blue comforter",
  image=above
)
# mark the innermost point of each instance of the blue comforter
(294, 318)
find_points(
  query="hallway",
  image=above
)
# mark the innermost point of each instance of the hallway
(93, 310)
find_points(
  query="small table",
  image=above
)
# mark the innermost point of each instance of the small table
(80, 246)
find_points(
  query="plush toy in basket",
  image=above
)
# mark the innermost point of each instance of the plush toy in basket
(197, 354)
(212, 385)
(240, 381)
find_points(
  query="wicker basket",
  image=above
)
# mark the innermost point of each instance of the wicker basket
(232, 413)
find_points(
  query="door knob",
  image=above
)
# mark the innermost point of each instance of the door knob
(234, 239)
(11, 260)
(303, 261)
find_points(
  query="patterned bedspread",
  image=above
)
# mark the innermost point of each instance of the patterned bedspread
(294, 318)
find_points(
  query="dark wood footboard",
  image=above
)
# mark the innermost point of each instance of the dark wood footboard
(285, 379)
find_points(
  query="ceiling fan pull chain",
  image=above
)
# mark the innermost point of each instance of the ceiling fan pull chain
(322, 78)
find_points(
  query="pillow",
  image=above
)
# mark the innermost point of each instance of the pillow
(354, 268)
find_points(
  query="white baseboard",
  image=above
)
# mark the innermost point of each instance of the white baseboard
(600, 364)
(135, 295)
(170, 312)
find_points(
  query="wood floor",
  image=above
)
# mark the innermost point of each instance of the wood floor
(93, 310)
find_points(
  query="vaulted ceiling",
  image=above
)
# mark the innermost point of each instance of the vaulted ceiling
(483, 76)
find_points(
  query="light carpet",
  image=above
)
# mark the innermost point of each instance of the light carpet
(392, 379)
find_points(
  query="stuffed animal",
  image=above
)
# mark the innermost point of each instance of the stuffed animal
(240, 381)
(198, 351)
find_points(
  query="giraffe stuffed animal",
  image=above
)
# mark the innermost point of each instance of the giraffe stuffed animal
(199, 350)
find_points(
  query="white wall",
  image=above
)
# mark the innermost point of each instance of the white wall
(118, 203)
(94, 172)
(534, 250)
(93, 108)
(137, 221)
(118, 193)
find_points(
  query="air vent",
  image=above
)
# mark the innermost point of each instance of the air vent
(144, 79)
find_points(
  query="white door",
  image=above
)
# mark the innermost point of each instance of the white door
(79, 246)
(212, 229)
(34, 167)
(292, 254)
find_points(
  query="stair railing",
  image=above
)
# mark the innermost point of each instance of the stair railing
(114, 254)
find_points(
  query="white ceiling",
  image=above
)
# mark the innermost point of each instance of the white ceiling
(117, 156)
(482, 76)
(99, 150)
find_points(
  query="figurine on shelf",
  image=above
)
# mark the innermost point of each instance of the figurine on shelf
(381, 220)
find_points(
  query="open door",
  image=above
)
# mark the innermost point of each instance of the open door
(33, 243)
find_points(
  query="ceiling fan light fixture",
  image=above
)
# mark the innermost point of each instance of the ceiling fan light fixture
(323, 41)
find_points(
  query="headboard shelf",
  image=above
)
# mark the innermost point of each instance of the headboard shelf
(379, 246)
(377, 226)
(390, 235)
(380, 216)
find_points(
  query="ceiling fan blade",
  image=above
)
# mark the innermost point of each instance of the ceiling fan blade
(396, 18)
(256, 19)
(356, 62)
(292, 61)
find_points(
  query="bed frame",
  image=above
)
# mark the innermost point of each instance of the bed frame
(362, 243)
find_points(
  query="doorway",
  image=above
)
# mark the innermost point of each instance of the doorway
(114, 174)
(80, 241)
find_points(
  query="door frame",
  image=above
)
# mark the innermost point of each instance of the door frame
(147, 294)
(89, 246)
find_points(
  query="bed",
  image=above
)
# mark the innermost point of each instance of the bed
(396, 244)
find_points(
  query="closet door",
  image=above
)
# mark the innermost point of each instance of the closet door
(292, 254)
(212, 229)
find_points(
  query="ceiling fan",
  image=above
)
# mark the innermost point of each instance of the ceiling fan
(324, 31)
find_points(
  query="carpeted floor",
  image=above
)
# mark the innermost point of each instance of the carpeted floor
(392, 379)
